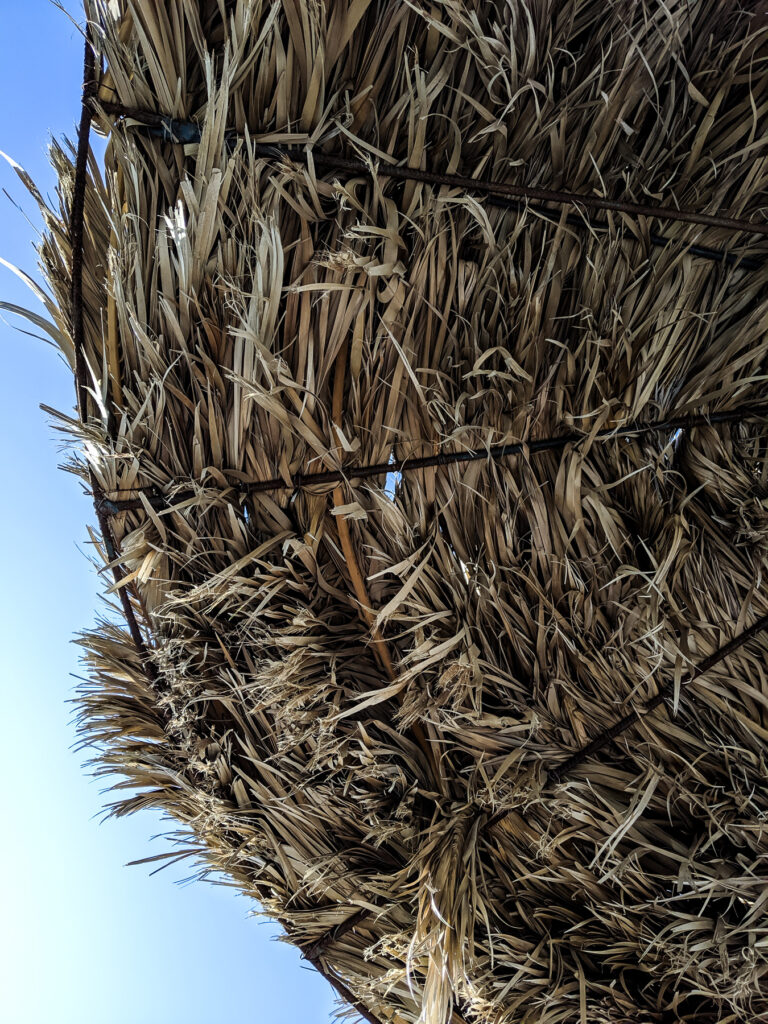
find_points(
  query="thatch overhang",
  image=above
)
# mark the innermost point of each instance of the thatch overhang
(484, 726)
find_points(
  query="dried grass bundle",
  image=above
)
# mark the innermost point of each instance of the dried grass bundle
(368, 698)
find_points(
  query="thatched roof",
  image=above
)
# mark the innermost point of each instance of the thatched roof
(486, 733)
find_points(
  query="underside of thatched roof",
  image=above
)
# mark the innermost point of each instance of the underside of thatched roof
(483, 727)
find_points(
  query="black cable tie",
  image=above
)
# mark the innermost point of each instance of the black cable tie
(171, 130)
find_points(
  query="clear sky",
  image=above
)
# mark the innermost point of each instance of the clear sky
(82, 937)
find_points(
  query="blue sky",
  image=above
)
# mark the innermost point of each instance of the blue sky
(85, 939)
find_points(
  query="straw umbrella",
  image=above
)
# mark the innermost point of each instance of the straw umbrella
(420, 359)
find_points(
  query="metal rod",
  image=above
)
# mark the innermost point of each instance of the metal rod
(410, 465)
(174, 130)
(562, 198)
(610, 734)
(77, 219)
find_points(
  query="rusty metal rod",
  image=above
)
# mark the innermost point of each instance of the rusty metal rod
(77, 221)
(410, 465)
(624, 723)
(174, 130)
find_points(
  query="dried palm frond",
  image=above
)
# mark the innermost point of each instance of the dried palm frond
(386, 704)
